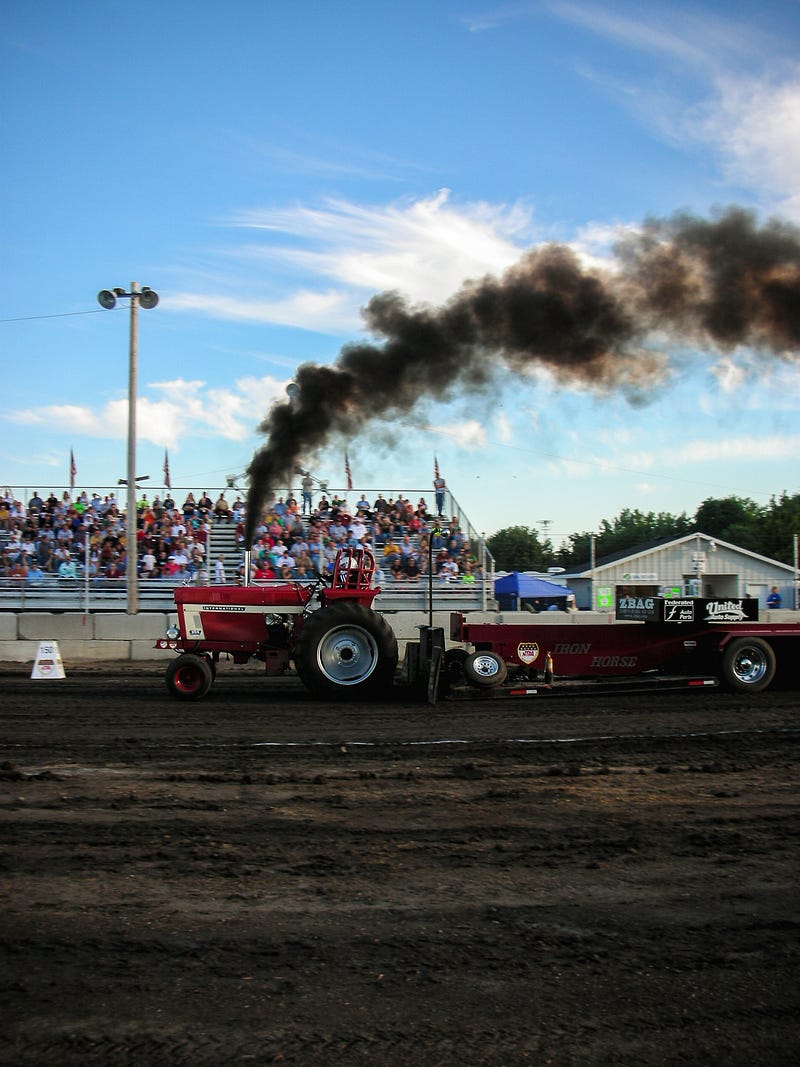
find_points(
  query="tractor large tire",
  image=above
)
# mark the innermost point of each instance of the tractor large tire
(189, 677)
(346, 651)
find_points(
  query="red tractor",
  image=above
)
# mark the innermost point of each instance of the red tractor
(340, 646)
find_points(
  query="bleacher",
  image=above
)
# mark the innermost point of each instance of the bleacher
(100, 594)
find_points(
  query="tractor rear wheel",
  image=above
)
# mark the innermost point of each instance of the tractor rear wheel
(346, 651)
(189, 677)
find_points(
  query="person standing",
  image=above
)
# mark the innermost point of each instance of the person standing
(307, 487)
(439, 487)
(774, 598)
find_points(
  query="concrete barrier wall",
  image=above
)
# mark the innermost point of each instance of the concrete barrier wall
(83, 637)
(112, 637)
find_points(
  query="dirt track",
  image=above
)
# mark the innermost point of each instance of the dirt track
(260, 878)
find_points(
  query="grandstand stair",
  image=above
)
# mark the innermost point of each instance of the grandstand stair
(222, 541)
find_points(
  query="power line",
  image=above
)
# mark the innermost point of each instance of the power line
(58, 315)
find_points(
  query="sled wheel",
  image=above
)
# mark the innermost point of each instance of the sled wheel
(485, 669)
(748, 665)
(346, 651)
(453, 663)
(189, 677)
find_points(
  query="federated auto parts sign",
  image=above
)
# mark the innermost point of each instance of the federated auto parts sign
(686, 609)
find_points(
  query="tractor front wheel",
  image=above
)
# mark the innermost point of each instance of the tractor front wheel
(189, 677)
(346, 651)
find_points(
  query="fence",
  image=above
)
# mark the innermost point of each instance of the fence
(55, 594)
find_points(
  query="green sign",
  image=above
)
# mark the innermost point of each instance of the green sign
(604, 595)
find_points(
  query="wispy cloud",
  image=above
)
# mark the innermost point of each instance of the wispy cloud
(168, 413)
(755, 126)
(327, 311)
(689, 35)
(742, 99)
(424, 247)
(491, 17)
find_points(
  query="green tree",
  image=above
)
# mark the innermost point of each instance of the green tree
(631, 527)
(781, 525)
(518, 548)
(735, 519)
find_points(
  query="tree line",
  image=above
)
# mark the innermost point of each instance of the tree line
(766, 529)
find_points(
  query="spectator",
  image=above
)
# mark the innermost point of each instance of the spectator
(222, 509)
(363, 507)
(390, 552)
(19, 568)
(149, 564)
(324, 508)
(307, 487)
(412, 569)
(407, 548)
(44, 552)
(774, 598)
(439, 490)
(35, 574)
(263, 571)
(337, 532)
(189, 507)
(205, 505)
(448, 570)
(67, 568)
(113, 568)
(299, 547)
(357, 529)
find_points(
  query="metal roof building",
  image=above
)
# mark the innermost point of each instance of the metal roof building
(692, 565)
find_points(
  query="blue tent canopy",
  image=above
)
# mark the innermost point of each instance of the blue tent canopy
(527, 587)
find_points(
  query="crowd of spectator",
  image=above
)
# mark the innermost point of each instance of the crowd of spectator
(62, 536)
(404, 538)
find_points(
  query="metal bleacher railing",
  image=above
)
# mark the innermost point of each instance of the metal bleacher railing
(102, 594)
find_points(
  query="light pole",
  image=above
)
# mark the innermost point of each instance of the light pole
(148, 298)
(592, 564)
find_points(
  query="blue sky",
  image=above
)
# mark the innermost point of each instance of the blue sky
(268, 167)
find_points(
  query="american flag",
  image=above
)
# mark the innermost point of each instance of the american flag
(73, 470)
(348, 473)
(435, 468)
(167, 482)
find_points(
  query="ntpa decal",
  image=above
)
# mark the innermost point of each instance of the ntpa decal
(527, 652)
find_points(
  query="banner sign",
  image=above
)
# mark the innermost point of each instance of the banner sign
(672, 610)
(639, 608)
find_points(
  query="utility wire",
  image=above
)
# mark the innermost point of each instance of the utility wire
(59, 315)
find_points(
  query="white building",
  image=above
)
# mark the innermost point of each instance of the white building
(692, 565)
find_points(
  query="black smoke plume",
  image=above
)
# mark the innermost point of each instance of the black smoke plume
(713, 284)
